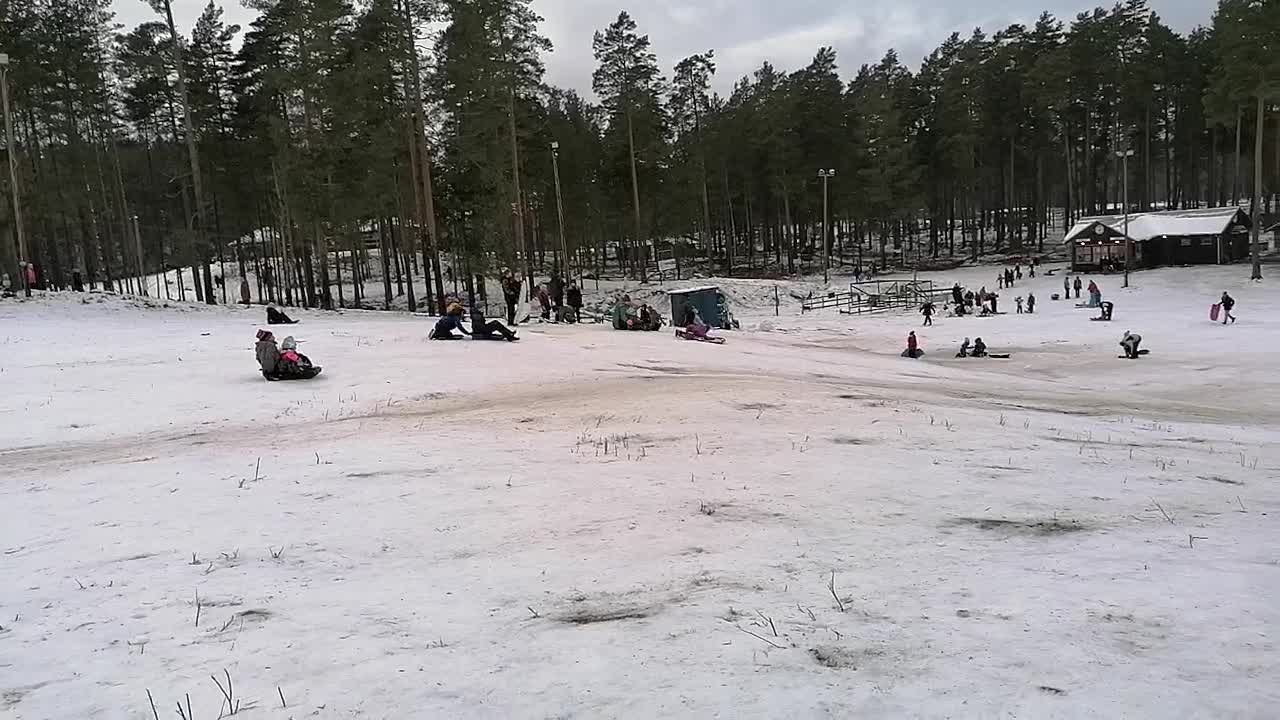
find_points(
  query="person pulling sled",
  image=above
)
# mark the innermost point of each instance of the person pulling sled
(1227, 303)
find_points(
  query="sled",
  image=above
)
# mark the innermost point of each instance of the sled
(1214, 310)
(1140, 352)
(686, 335)
(306, 374)
(1101, 319)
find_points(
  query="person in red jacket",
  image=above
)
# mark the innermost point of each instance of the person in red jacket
(913, 346)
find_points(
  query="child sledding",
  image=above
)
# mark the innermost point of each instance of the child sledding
(276, 316)
(696, 329)
(978, 350)
(626, 316)
(282, 362)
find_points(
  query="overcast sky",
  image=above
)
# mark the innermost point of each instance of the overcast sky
(744, 33)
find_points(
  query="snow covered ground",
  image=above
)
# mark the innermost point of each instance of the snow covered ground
(588, 523)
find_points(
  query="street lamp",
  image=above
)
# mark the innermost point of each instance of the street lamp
(1124, 156)
(137, 244)
(555, 169)
(826, 257)
(13, 172)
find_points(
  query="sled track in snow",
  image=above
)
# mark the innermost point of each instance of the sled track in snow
(577, 403)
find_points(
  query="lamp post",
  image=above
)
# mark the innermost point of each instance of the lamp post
(555, 170)
(137, 245)
(826, 257)
(13, 173)
(1124, 156)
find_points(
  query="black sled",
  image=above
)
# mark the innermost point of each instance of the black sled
(303, 374)
(278, 317)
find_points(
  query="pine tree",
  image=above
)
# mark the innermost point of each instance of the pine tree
(630, 85)
(1246, 37)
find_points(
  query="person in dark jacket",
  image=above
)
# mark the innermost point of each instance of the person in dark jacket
(276, 316)
(979, 348)
(482, 329)
(1077, 285)
(1227, 303)
(452, 320)
(556, 285)
(510, 293)
(1031, 299)
(927, 310)
(574, 297)
(957, 294)
(267, 352)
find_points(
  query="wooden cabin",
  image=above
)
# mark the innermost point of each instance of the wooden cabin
(1205, 236)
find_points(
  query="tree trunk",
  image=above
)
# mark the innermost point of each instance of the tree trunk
(384, 251)
(1235, 161)
(1257, 190)
(518, 206)
(193, 154)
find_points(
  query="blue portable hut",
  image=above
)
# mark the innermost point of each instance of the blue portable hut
(708, 301)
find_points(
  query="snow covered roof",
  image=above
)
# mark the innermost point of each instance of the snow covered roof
(1176, 223)
(686, 291)
(1273, 228)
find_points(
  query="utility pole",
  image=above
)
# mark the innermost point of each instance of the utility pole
(826, 253)
(1124, 156)
(1255, 236)
(137, 245)
(564, 244)
(13, 174)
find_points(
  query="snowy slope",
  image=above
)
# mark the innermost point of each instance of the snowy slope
(591, 523)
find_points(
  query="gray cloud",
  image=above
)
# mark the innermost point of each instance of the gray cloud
(745, 33)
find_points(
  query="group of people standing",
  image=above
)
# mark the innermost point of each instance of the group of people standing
(558, 299)
(1007, 277)
(981, 303)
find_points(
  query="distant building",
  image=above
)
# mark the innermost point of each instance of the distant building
(1206, 236)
